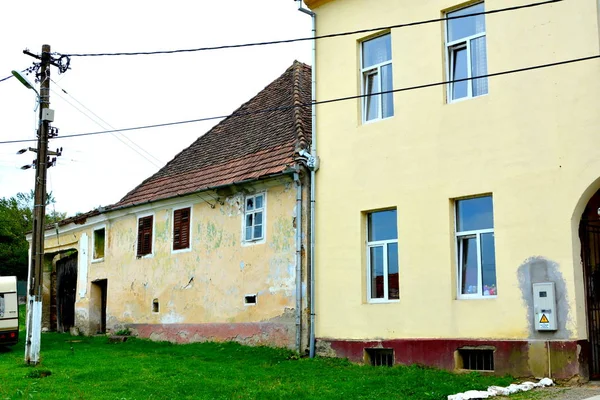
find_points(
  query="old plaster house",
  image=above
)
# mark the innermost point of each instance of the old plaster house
(441, 207)
(211, 247)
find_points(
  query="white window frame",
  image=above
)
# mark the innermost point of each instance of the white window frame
(384, 244)
(173, 251)
(365, 72)
(264, 221)
(458, 241)
(451, 48)
(137, 227)
(95, 260)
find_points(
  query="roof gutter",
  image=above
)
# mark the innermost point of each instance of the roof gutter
(313, 165)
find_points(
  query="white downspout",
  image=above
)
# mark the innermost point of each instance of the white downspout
(314, 166)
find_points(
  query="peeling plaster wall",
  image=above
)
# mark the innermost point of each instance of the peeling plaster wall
(203, 286)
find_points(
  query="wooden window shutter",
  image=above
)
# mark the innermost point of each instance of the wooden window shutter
(181, 229)
(144, 245)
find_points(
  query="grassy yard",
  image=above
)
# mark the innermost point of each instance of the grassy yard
(92, 368)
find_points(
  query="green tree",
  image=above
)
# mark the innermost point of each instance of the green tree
(16, 219)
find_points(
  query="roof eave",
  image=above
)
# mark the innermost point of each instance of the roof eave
(312, 4)
(287, 171)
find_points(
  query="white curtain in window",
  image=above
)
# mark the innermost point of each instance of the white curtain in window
(479, 65)
(377, 51)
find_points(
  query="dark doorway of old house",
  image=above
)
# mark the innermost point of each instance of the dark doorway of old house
(589, 234)
(66, 286)
(98, 306)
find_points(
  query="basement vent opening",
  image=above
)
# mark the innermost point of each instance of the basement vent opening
(155, 306)
(250, 300)
(380, 357)
(476, 359)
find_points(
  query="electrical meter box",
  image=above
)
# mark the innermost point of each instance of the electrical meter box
(48, 115)
(544, 306)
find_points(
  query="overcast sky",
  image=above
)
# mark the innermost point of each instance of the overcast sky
(130, 91)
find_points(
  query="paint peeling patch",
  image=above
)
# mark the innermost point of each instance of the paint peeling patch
(81, 320)
(537, 270)
(172, 318)
(282, 276)
(283, 235)
(233, 205)
(242, 265)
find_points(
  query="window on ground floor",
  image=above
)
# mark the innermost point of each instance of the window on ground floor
(181, 228)
(99, 242)
(144, 237)
(476, 247)
(382, 256)
(254, 217)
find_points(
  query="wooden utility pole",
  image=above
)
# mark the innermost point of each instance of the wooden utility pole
(34, 296)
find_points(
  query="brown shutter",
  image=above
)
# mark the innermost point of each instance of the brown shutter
(181, 229)
(144, 236)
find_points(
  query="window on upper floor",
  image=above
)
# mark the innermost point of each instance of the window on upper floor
(144, 236)
(376, 69)
(476, 247)
(99, 242)
(254, 217)
(382, 256)
(466, 53)
(181, 228)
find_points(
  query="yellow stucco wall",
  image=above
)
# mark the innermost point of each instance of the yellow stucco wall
(204, 285)
(533, 142)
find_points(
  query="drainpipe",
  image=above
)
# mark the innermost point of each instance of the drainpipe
(298, 261)
(313, 165)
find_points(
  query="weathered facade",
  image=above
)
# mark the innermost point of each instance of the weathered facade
(211, 247)
(439, 207)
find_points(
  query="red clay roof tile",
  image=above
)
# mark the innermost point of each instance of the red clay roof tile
(261, 138)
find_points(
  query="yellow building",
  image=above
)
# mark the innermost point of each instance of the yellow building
(211, 247)
(442, 207)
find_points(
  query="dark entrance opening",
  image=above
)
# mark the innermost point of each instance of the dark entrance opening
(66, 286)
(589, 234)
(98, 306)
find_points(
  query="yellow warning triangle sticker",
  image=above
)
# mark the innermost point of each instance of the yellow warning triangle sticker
(544, 319)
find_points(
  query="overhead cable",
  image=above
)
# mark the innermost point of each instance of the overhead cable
(138, 149)
(303, 39)
(305, 105)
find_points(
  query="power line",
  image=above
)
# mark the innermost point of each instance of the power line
(304, 105)
(332, 35)
(156, 162)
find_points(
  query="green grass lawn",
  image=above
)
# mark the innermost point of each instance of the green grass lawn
(92, 368)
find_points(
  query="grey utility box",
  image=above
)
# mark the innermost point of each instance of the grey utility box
(544, 306)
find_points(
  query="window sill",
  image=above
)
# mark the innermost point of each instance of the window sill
(463, 99)
(477, 297)
(144, 256)
(383, 301)
(374, 121)
(246, 243)
(189, 249)
(98, 260)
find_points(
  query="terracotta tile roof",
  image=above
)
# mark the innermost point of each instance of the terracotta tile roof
(250, 144)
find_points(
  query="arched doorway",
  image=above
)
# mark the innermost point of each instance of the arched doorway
(589, 234)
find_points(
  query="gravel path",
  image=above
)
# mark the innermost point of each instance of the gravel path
(571, 392)
(575, 392)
